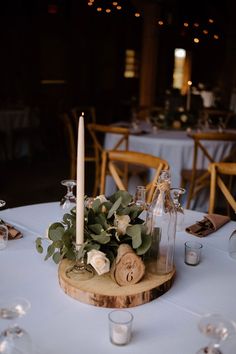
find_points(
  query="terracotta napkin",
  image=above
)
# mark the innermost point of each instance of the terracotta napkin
(210, 223)
(13, 233)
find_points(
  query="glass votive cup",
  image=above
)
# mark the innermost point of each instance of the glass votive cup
(3, 236)
(192, 252)
(120, 326)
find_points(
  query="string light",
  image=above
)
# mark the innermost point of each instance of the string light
(109, 6)
(196, 30)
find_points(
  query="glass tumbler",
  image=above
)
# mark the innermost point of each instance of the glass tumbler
(120, 326)
(192, 252)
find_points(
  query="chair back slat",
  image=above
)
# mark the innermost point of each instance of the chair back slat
(112, 159)
(217, 171)
(200, 181)
(98, 132)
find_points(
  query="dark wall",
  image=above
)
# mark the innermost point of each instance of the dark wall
(87, 50)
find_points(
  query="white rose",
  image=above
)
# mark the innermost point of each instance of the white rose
(121, 222)
(98, 261)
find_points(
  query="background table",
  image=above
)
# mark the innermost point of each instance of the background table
(58, 324)
(177, 149)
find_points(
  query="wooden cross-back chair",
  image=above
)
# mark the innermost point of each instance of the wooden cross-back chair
(111, 163)
(199, 179)
(217, 171)
(215, 117)
(98, 132)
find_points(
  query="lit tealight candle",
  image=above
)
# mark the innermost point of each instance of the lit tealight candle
(80, 184)
(192, 257)
(120, 326)
(192, 252)
(120, 334)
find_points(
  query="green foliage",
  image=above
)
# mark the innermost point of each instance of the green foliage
(101, 231)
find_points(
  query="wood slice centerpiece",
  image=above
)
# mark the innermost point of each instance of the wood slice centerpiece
(103, 291)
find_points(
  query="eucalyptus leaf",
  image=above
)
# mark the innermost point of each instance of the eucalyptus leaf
(95, 206)
(58, 244)
(101, 219)
(135, 232)
(103, 238)
(70, 254)
(124, 195)
(114, 207)
(96, 228)
(56, 234)
(50, 251)
(39, 246)
(146, 244)
(57, 257)
(55, 225)
(94, 246)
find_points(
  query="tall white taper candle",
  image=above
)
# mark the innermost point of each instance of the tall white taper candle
(80, 184)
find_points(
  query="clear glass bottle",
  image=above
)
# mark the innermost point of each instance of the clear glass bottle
(176, 194)
(161, 221)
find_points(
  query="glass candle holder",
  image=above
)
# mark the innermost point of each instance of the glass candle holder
(192, 253)
(120, 326)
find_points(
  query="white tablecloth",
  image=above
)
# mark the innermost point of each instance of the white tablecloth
(59, 324)
(177, 149)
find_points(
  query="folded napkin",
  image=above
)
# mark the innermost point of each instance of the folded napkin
(13, 233)
(209, 224)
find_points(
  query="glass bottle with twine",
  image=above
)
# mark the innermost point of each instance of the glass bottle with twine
(161, 222)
